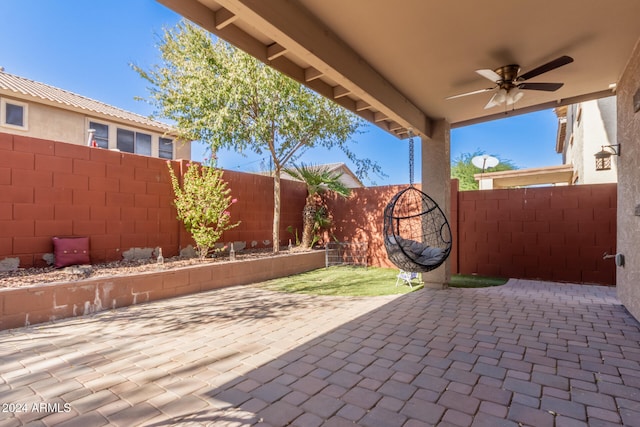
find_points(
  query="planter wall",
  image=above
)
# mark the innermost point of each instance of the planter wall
(43, 303)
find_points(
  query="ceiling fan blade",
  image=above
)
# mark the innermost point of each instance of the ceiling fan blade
(552, 65)
(470, 93)
(548, 87)
(490, 74)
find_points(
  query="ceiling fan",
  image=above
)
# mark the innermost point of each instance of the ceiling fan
(510, 83)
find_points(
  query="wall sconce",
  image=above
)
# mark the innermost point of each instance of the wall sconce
(603, 157)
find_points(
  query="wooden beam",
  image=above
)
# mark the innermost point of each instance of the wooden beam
(395, 127)
(380, 117)
(274, 51)
(366, 114)
(339, 92)
(200, 14)
(236, 10)
(288, 24)
(361, 105)
(384, 126)
(534, 108)
(224, 17)
(312, 74)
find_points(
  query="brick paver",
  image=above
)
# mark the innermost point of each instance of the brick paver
(527, 353)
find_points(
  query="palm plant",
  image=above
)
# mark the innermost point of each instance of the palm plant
(318, 179)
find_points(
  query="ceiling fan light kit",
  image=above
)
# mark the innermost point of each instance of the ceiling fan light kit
(502, 96)
(510, 83)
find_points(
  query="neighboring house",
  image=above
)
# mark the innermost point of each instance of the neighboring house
(41, 111)
(583, 129)
(348, 178)
(549, 175)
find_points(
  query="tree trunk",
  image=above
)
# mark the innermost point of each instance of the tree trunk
(308, 221)
(276, 211)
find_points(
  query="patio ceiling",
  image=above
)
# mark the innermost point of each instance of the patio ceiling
(394, 63)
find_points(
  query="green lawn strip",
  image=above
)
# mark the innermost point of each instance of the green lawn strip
(473, 281)
(342, 281)
(362, 282)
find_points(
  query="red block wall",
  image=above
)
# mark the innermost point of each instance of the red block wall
(550, 233)
(254, 209)
(360, 218)
(119, 200)
(123, 201)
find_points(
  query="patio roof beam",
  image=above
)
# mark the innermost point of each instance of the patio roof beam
(312, 74)
(275, 51)
(223, 17)
(379, 117)
(361, 106)
(301, 36)
(339, 92)
(534, 108)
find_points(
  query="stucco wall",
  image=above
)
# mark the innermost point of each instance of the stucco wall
(51, 123)
(183, 150)
(56, 124)
(585, 137)
(629, 186)
(598, 118)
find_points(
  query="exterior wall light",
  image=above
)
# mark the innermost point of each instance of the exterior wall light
(603, 157)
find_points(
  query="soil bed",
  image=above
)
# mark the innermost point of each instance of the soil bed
(34, 276)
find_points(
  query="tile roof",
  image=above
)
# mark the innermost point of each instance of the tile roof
(345, 170)
(23, 88)
(349, 178)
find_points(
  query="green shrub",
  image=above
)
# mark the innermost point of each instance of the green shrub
(203, 204)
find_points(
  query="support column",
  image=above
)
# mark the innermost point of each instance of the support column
(628, 215)
(436, 182)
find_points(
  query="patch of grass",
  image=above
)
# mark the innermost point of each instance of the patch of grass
(363, 282)
(472, 281)
(342, 281)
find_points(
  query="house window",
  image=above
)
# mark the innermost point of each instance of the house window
(126, 140)
(165, 148)
(133, 142)
(101, 135)
(143, 144)
(14, 114)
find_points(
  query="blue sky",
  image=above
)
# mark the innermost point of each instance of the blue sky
(86, 47)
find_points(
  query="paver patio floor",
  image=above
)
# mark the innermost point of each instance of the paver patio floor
(527, 353)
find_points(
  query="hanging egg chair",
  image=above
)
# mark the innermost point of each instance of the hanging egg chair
(416, 233)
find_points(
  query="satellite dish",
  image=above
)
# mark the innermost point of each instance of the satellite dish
(485, 161)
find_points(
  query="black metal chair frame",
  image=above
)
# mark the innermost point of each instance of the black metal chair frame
(436, 231)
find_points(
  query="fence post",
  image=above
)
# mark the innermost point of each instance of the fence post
(326, 255)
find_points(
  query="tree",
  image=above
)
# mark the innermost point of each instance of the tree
(318, 179)
(223, 97)
(203, 203)
(464, 170)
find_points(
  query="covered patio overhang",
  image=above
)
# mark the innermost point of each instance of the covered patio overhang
(396, 63)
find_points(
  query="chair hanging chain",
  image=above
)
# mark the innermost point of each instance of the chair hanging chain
(411, 160)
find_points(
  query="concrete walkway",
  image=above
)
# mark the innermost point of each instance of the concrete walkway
(527, 353)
